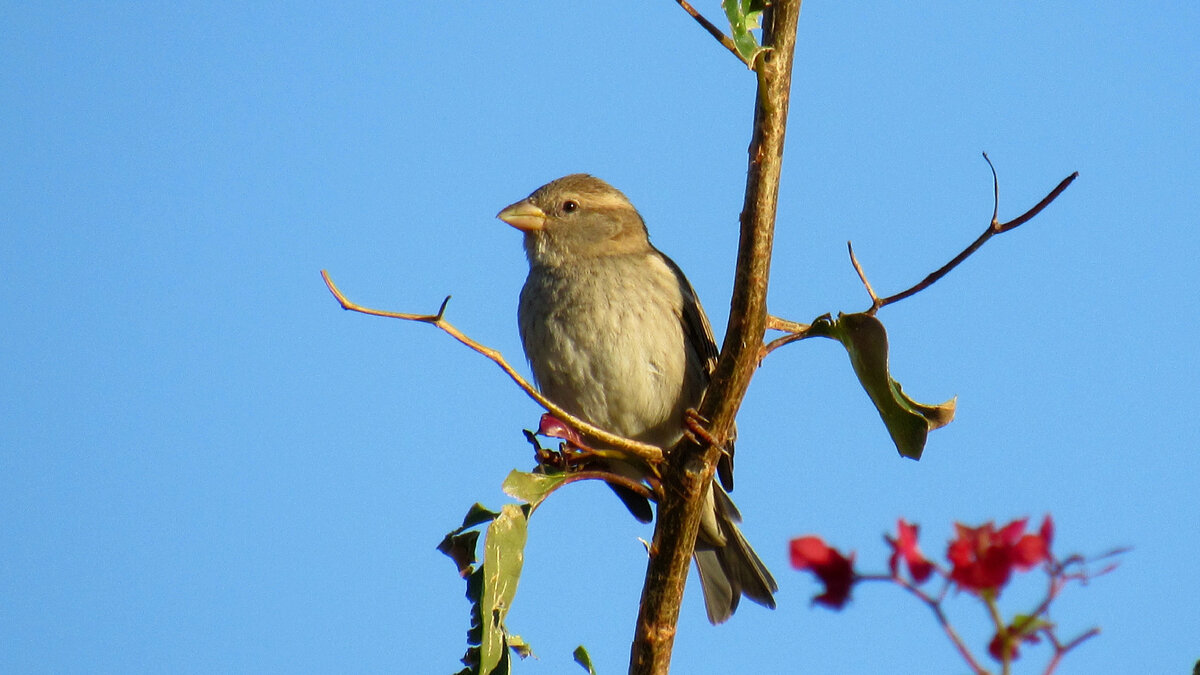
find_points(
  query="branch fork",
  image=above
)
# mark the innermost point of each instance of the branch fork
(994, 227)
(798, 331)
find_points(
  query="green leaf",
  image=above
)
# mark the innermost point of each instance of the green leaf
(490, 586)
(865, 339)
(503, 557)
(478, 513)
(583, 659)
(531, 487)
(744, 16)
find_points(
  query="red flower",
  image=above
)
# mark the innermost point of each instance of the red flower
(835, 570)
(905, 546)
(1030, 550)
(984, 558)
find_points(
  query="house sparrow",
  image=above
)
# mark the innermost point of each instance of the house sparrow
(615, 335)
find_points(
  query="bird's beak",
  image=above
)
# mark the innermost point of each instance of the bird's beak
(524, 216)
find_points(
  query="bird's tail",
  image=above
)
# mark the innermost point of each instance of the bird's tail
(729, 568)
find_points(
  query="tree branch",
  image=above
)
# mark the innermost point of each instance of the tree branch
(798, 331)
(690, 466)
(644, 451)
(721, 37)
(994, 228)
(795, 331)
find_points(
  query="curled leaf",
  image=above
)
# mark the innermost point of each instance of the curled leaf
(744, 16)
(459, 544)
(461, 549)
(478, 513)
(865, 339)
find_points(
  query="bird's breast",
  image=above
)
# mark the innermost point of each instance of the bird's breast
(605, 342)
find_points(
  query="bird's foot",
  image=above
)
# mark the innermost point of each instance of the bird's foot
(695, 427)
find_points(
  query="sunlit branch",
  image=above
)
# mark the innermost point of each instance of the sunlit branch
(721, 37)
(795, 331)
(644, 451)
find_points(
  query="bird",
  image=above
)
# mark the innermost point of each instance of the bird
(615, 335)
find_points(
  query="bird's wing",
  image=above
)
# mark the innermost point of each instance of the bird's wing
(699, 339)
(695, 323)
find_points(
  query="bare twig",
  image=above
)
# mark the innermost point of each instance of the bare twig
(934, 603)
(994, 228)
(1060, 650)
(862, 275)
(721, 37)
(644, 451)
(690, 469)
(795, 331)
(611, 478)
(777, 323)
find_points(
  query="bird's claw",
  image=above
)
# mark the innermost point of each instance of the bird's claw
(695, 427)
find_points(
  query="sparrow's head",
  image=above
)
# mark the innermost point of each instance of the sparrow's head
(574, 217)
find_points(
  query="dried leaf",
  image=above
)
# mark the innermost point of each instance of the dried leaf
(461, 549)
(519, 647)
(459, 544)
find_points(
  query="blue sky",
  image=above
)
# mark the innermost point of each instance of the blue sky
(205, 465)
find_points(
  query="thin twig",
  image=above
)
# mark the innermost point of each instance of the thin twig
(1025, 217)
(995, 190)
(935, 606)
(714, 31)
(1060, 650)
(795, 331)
(644, 451)
(635, 486)
(778, 323)
(862, 276)
(994, 227)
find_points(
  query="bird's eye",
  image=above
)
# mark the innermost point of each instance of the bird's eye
(570, 206)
